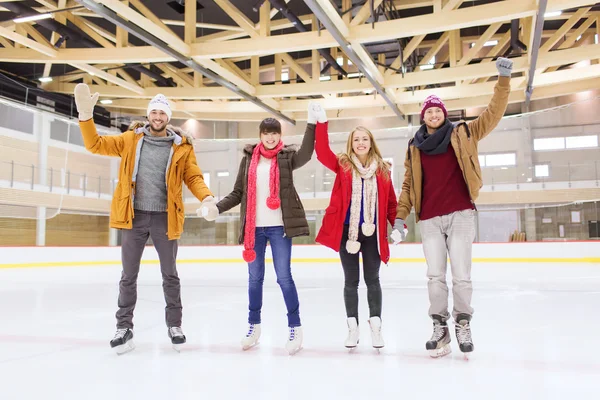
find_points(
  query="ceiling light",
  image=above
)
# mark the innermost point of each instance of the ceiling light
(45, 79)
(552, 14)
(35, 17)
(426, 66)
(106, 101)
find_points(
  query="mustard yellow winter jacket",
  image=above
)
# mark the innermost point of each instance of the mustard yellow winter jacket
(182, 168)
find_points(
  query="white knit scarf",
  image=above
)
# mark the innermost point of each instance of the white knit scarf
(369, 199)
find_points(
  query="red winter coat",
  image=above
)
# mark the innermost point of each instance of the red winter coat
(330, 234)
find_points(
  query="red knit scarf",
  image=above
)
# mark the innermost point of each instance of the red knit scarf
(273, 201)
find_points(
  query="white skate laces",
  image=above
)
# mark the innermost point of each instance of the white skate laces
(120, 333)
(438, 332)
(176, 331)
(463, 333)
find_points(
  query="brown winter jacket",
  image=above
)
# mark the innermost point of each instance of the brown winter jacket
(464, 140)
(182, 168)
(288, 159)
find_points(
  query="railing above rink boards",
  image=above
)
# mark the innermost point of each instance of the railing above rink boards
(312, 181)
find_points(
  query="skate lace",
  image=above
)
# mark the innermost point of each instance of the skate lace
(176, 331)
(120, 333)
(292, 334)
(438, 332)
(463, 332)
(250, 330)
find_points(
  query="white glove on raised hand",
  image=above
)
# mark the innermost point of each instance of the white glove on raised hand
(504, 66)
(85, 101)
(208, 209)
(400, 231)
(316, 113)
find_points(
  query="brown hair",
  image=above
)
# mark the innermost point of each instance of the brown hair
(374, 154)
(269, 125)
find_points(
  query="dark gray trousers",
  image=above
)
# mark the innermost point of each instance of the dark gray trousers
(148, 224)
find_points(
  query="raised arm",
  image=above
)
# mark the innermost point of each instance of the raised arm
(304, 154)
(489, 119)
(104, 145)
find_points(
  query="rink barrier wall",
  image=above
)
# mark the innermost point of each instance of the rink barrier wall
(409, 253)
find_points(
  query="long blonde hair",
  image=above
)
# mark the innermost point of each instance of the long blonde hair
(374, 154)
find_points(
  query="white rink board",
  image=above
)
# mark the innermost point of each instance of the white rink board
(482, 252)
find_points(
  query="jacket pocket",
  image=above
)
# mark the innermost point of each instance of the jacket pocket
(476, 170)
(121, 209)
(179, 218)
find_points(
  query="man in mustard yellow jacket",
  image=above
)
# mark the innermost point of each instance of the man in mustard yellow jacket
(156, 159)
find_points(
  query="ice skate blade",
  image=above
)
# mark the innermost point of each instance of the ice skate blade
(292, 352)
(177, 347)
(441, 352)
(124, 348)
(249, 346)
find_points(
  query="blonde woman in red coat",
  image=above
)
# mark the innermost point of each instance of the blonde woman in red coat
(362, 204)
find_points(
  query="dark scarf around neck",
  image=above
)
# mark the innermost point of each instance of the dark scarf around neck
(436, 143)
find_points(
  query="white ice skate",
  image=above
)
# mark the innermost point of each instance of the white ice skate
(294, 343)
(177, 337)
(122, 342)
(251, 338)
(353, 333)
(376, 336)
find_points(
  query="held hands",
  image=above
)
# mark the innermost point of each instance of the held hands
(504, 66)
(208, 209)
(316, 113)
(400, 231)
(85, 101)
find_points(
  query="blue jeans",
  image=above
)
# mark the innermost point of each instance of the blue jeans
(281, 248)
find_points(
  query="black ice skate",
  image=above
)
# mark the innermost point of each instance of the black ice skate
(463, 333)
(123, 341)
(439, 344)
(177, 337)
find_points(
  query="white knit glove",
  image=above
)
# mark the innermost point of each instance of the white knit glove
(400, 231)
(504, 66)
(85, 102)
(208, 209)
(316, 113)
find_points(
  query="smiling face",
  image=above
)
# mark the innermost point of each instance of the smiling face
(158, 120)
(270, 139)
(361, 143)
(434, 118)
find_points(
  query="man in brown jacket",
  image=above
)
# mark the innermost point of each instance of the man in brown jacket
(442, 182)
(156, 159)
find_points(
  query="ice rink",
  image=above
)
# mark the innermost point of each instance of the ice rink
(535, 331)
